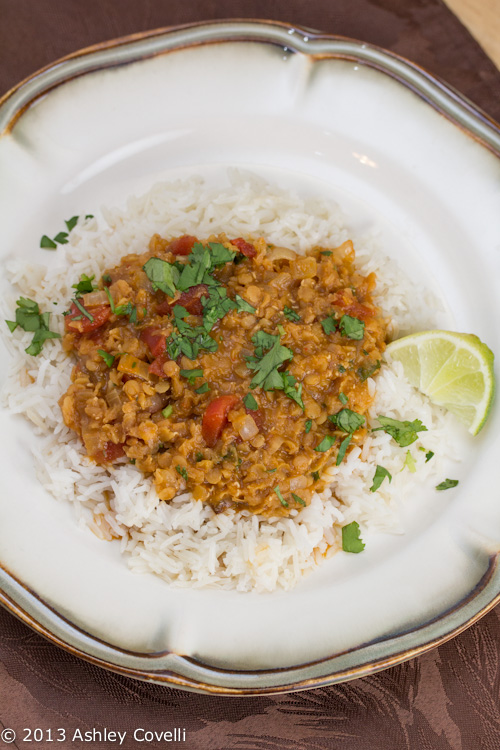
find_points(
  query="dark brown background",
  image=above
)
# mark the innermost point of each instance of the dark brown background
(447, 699)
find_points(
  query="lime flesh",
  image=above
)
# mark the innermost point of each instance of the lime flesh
(455, 370)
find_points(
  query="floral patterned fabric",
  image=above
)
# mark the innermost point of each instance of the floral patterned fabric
(447, 699)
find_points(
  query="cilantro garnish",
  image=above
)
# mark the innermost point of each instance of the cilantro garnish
(291, 315)
(298, 499)
(198, 457)
(447, 484)
(379, 476)
(162, 275)
(343, 398)
(341, 368)
(203, 388)
(342, 450)
(243, 306)
(85, 285)
(351, 538)
(428, 455)
(266, 364)
(167, 411)
(216, 305)
(366, 371)
(410, 462)
(62, 237)
(404, 433)
(326, 252)
(29, 318)
(347, 420)
(351, 328)
(329, 325)
(191, 375)
(106, 279)
(315, 475)
(107, 357)
(280, 497)
(182, 471)
(47, 243)
(83, 310)
(250, 402)
(325, 445)
(308, 425)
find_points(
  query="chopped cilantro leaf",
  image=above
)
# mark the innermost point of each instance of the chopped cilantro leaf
(191, 375)
(29, 318)
(378, 478)
(366, 371)
(198, 457)
(243, 305)
(342, 450)
(315, 475)
(61, 238)
(404, 433)
(250, 402)
(329, 325)
(107, 279)
(266, 365)
(351, 538)
(343, 398)
(347, 420)
(167, 411)
(308, 425)
(291, 315)
(71, 223)
(325, 445)
(410, 462)
(38, 340)
(182, 471)
(83, 310)
(280, 497)
(298, 499)
(270, 471)
(203, 388)
(351, 328)
(47, 243)
(291, 389)
(326, 252)
(107, 357)
(84, 286)
(447, 484)
(428, 455)
(162, 275)
(341, 368)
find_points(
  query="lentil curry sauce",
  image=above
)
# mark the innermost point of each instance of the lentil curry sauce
(235, 370)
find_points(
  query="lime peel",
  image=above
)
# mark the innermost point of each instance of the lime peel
(455, 370)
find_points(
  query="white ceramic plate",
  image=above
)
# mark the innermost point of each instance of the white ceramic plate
(396, 149)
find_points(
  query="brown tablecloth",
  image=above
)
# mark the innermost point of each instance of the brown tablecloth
(447, 699)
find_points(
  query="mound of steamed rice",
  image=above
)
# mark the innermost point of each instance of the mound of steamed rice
(184, 541)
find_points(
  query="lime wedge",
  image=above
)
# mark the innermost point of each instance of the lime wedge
(455, 370)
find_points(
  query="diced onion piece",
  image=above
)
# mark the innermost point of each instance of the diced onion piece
(281, 253)
(130, 365)
(92, 299)
(247, 429)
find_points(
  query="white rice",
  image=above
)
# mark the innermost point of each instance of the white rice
(184, 541)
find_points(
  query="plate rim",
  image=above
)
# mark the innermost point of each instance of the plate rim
(15, 596)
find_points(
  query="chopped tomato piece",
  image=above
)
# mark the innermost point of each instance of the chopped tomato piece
(246, 248)
(82, 324)
(190, 299)
(215, 418)
(155, 340)
(110, 453)
(156, 367)
(351, 306)
(182, 245)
